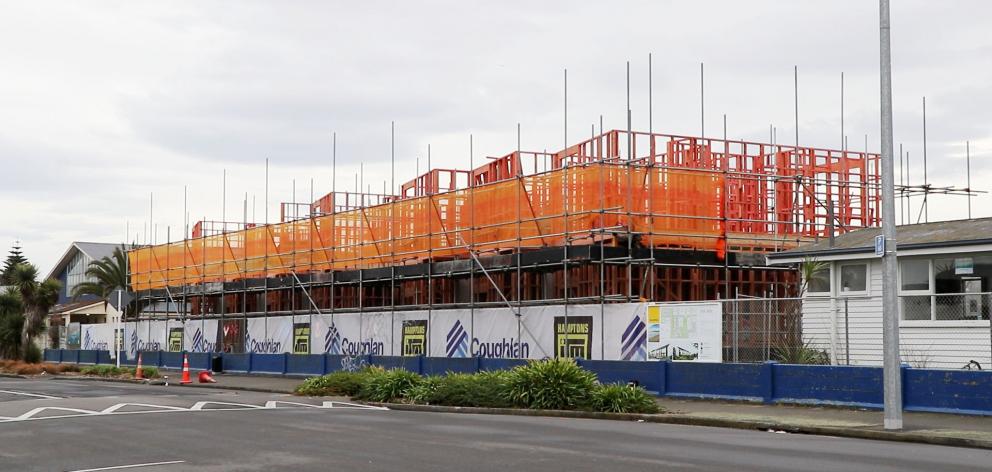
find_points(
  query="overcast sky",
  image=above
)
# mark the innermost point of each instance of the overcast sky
(105, 103)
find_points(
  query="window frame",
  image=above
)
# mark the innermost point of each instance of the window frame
(929, 289)
(830, 281)
(931, 292)
(853, 293)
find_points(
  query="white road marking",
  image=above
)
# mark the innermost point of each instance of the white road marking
(26, 394)
(200, 405)
(130, 466)
(35, 411)
(276, 403)
(353, 406)
(197, 407)
(112, 409)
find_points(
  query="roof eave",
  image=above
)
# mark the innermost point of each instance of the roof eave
(795, 255)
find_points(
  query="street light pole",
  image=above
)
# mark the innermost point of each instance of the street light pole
(890, 298)
(118, 335)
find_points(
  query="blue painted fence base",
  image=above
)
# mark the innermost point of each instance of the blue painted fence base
(931, 390)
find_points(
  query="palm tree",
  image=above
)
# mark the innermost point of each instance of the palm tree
(36, 299)
(11, 323)
(110, 275)
(811, 269)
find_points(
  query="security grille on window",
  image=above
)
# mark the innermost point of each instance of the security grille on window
(946, 288)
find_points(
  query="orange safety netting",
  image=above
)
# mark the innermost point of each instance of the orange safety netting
(687, 197)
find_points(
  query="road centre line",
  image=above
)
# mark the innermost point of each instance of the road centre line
(130, 466)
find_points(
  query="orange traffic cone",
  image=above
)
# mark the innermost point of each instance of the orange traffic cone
(185, 379)
(205, 377)
(138, 374)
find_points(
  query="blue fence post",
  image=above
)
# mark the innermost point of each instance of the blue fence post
(768, 381)
(662, 377)
(666, 373)
(420, 364)
(478, 364)
(285, 363)
(323, 364)
(904, 385)
(251, 357)
(61, 351)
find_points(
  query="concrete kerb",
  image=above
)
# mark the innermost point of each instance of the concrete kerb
(104, 379)
(237, 388)
(160, 381)
(687, 420)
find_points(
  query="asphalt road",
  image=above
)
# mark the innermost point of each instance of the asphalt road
(96, 425)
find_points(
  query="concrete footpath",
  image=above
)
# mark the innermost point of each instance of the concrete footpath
(931, 428)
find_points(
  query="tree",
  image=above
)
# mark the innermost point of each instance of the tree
(109, 274)
(36, 299)
(11, 323)
(811, 269)
(15, 258)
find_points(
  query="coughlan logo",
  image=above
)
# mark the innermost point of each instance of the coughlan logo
(133, 341)
(634, 341)
(200, 343)
(456, 341)
(263, 346)
(89, 344)
(332, 341)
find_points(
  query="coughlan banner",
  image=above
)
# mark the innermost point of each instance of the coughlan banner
(685, 332)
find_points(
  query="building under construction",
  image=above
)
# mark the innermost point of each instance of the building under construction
(621, 217)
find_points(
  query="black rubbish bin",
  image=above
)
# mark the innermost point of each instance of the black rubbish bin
(217, 364)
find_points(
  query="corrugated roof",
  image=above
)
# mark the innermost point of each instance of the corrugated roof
(923, 235)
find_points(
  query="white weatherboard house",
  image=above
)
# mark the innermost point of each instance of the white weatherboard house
(945, 280)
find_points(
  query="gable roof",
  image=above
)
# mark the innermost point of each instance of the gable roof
(73, 306)
(94, 250)
(919, 236)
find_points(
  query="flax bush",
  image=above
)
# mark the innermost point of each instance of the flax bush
(387, 385)
(341, 383)
(552, 384)
(618, 398)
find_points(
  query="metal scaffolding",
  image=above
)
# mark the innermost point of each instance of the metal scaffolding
(621, 216)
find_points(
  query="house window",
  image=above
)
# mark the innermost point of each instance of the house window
(951, 288)
(853, 278)
(914, 281)
(915, 275)
(960, 285)
(819, 281)
(916, 307)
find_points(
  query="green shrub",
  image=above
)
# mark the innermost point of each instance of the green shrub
(553, 384)
(103, 370)
(618, 398)
(336, 383)
(33, 354)
(426, 391)
(148, 372)
(801, 353)
(387, 385)
(492, 388)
